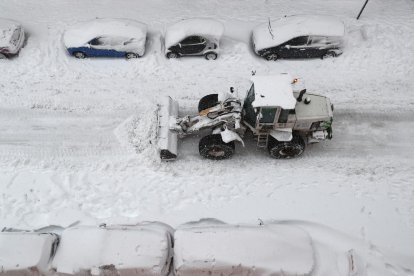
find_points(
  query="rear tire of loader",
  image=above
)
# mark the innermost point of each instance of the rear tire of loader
(212, 147)
(207, 102)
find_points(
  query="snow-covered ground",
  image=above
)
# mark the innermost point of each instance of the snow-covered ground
(77, 136)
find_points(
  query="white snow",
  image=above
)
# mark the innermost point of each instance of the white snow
(209, 28)
(274, 91)
(25, 253)
(242, 250)
(122, 30)
(133, 250)
(77, 136)
(286, 28)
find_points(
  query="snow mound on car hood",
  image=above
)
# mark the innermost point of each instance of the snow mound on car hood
(79, 34)
(237, 249)
(195, 26)
(279, 31)
(7, 28)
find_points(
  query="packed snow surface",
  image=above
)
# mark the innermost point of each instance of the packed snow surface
(276, 90)
(81, 33)
(77, 137)
(22, 251)
(210, 28)
(7, 28)
(129, 249)
(274, 33)
(243, 250)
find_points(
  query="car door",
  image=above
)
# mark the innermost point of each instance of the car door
(318, 46)
(103, 46)
(296, 47)
(192, 45)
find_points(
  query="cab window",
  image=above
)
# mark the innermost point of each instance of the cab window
(267, 115)
(283, 116)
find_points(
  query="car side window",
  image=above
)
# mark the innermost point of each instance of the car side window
(298, 41)
(318, 40)
(193, 40)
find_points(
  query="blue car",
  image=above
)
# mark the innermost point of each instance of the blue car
(106, 38)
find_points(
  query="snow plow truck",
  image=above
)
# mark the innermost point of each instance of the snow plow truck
(282, 117)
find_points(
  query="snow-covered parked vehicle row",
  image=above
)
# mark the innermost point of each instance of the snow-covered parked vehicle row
(106, 38)
(299, 36)
(275, 110)
(194, 37)
(204, 247)
(11, 38)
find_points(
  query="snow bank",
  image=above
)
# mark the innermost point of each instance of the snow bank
(242, 250)
(143, 249)
(196, 26)
(83, 32)
(7, 28)
(286, 28)
(24, 253)
(276, 90)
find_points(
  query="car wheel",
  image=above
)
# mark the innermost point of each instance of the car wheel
(286, 150)
(79, 55)
(329, 54)
(172, 55)
(2, 56)
(131, 55)
(210, 56)
(212, 147)
(207, 102)
(271, 56)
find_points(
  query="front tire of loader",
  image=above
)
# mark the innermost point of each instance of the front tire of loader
(286, 150)
(212, 147)
(207, 102)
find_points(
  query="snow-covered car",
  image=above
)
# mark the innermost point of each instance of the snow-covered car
(299, 36)
(11, 38)
(106, 38)
(142, 249)
(26, 253)
(194, 37)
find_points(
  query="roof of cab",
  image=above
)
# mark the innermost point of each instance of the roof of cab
(274, 91)
(83, 32)
(279, 31)
(194, 26)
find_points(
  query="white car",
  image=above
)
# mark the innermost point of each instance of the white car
(11, 38)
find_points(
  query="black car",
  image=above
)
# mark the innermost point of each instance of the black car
(300, 36)
(193, 37)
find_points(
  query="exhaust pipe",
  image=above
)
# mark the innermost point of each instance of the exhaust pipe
(301, 93)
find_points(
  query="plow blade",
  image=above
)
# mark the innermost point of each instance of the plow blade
(167, 138)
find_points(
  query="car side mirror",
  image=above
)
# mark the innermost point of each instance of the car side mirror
(287, 46)
(179, 45)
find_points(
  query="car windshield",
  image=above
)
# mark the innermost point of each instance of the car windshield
(193, 40)
(15, 37)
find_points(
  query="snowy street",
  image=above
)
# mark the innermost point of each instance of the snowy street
(77, 137)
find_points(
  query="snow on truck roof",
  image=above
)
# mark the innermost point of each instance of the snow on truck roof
(79, 34)
(289, 27)
(7, 27)
(195, 26)
(272, 91)
(239, 249)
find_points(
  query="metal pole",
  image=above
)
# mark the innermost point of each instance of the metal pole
(363, 7)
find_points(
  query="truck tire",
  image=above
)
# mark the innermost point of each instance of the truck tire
(207, 102)
(286, 150)
(212, 147)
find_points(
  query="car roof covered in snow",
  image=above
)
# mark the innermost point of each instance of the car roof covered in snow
(239, 249)
(279, 31)
(81, 33)
(143, 248)
(274, 90)
(7, 27)
(195, 26)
